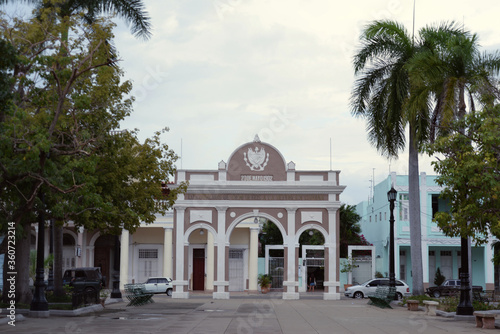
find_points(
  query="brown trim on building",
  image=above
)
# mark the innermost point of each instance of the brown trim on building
(256, 197)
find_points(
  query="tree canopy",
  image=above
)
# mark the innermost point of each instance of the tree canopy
(350, 230)
(470, 173)
(60, 136)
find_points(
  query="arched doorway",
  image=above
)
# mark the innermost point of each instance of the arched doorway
(312, 253)
(104, 255)
(271, 241)
(197, 245)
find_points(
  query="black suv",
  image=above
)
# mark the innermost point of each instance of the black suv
(84, 279)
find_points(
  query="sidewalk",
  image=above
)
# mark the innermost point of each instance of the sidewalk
(247, 315)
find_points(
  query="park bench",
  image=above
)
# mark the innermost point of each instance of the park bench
(430, 307)
(383, 297)
(412, 304)
(137, 295)
(485, 319)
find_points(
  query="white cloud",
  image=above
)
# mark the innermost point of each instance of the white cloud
(218, 72)
(233, 64)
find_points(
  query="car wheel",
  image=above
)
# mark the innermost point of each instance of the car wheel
(169, 292)
(358, 295)
(436, 294)
(399, 296)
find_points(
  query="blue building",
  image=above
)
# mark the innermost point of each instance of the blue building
(438, 250)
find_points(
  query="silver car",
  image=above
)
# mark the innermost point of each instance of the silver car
(369, 287)
(159, 285)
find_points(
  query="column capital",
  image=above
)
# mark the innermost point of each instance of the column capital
(291, 209)
(168, 228)
(330, 209)
(221, 208)
(180, 208)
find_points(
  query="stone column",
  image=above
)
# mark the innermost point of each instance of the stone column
(180, 282)
(425, 263)
(290, 283)
(221, 283)
(167, 252)
(331, 246)
(210, 262)
(253, 254)
(124, 258)
(489, 267)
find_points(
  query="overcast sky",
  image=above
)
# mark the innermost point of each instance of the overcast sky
(217, 72)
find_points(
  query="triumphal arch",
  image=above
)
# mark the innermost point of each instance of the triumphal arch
(217, 222)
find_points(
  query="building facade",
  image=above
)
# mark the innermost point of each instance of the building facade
(438, 250)
(209, 241)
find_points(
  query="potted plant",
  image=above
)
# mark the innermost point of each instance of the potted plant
(348, 267)
(104, 293)
(264, 281)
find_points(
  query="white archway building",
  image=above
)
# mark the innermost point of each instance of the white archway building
(213, 222)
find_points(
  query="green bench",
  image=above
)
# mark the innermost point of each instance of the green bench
(383, 297)
(137, 295)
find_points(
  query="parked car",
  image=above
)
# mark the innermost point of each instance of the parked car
(84, 279)
(450, 287)
(369, 287)
(159, 285)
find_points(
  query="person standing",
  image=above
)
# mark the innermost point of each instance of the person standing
(312, 282)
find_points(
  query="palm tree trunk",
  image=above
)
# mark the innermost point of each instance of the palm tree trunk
(415, 224)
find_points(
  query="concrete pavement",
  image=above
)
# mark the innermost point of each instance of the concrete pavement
(246, 315)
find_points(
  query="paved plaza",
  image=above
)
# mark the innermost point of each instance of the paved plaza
(246, 315)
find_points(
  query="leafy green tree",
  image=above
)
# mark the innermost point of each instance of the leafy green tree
(132, 11)
(270, 235)
(350, 230)
(470, 173)
(58, 137)
(381, 95)
(65, 11)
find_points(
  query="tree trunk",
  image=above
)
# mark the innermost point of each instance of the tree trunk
(58, 258)
(23, 291)
(415, 224)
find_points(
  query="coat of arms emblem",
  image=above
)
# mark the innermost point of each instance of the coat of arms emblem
(256, 159)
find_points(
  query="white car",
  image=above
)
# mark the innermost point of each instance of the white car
(369, 287)
(159, 285)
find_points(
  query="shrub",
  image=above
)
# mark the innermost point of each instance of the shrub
(439, 278)
(482, 306)
(449, 304)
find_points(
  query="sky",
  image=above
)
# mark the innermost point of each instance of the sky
(218, 72)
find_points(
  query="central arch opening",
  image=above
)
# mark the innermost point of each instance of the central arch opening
(247, 254)
(312, 254)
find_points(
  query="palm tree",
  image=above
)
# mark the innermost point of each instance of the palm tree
(350, 229)
(382, 94)
(457, 72)
(131, 10)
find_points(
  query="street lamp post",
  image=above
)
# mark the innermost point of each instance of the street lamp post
(391, 196)
(464, 306)
(39, 306)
